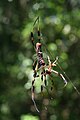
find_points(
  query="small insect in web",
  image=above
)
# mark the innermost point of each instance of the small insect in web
(45, 69)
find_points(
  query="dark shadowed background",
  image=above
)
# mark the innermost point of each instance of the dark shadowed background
(60, 29)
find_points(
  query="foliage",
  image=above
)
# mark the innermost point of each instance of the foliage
(59, 23)
(29, 117)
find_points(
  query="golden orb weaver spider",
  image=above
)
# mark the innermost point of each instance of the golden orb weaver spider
(46, 69)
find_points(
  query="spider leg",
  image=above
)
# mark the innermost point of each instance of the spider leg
(32, 38)
(37, 19)
(33, 81)
(38, 32)
(52, 83)
(44, 85)
(45, 82)
(42, 81)
(60, 75)
(54, 63)
(33, 99)
(43, 78)
(39, 37)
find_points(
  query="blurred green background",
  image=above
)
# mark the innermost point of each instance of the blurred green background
(60, 28)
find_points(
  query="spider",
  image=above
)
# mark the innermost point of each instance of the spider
(46, 69)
